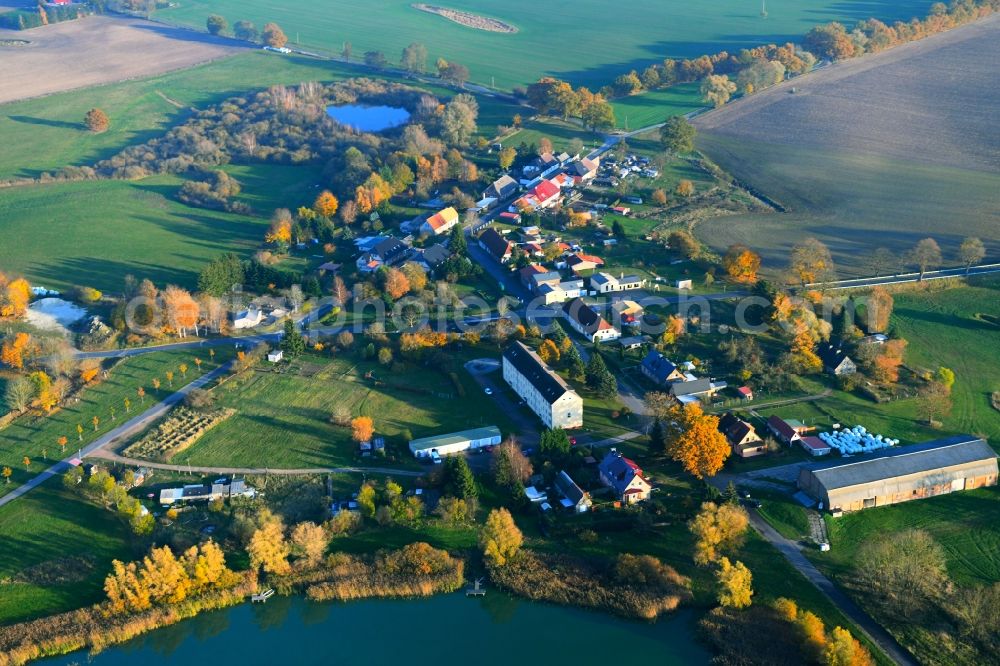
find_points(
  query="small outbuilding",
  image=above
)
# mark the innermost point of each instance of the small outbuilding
(901, 474)
(275, 356)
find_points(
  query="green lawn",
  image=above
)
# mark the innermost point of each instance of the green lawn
(283, 419)
(655, 107)
(96, 232)
(589, 43)
(29, 435)
(39, 532)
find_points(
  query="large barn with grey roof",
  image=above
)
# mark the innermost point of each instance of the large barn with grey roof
(962, 462)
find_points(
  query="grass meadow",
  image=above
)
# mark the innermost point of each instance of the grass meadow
(588, 44)
(56, 551)
(288, 413)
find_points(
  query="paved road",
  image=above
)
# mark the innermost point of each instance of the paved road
(903, 278)
(125, 430)
(861, 619)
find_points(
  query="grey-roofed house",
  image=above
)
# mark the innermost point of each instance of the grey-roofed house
(496, 245)
(836, 361)
(624, 477)
(574, 497)
(546, 393)
(501, 188)
(688, 391)
(433, 257)
(742, 436)
(891, 476)
(588, 322)
(659, 369)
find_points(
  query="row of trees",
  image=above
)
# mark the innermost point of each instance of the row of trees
(550, 96)
(271, 35)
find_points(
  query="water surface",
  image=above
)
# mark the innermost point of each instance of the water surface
(439, 631)
(366, 118)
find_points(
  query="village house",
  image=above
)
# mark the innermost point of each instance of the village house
(496, 245)
(543, 195)
(604, 283)
(431, 258)
(624, 477)
(456, 442)
(501, 188)
(580, 262)
(507, 217)
(746, 393)
(584, 170)
(573, 496)
(538, 280)
(815, 446)
(836, 361)
(659, 369)
(560, 292)
(543, 166)
(742, 436)
(386, 252)
(526, 274)
(588, 322)
(248, 318)
(546, 393)
(789, 431)
(627, 313)
(902, 474)
(197, 492)
(440, 222)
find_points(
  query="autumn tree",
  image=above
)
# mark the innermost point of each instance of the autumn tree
(14, 297)
(926, 255)
(396, 284)
(685, 188)
(280, 231)
(659, 197)
(216, 24)
(362, 428)
(14, 349)
(698, 445)
(510, 465)
(717, 528)
(971, 252)
(842, 649)
(181, 310)
(96, 121)
(500, 538)
(935, 401)
(716, 89)
(415, 275)
(810, 261)
(414, 58)
(326, 204)
(506, 157)
(274, 36)
(741, 264)
(677, 135)
(878, 310)
(548, 352)
(268, 547)
(310, 541)
(735, 584)
(7, 473)
(458, 122)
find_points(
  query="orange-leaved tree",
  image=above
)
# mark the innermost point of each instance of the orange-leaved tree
(326, 204)
(741, 264)
(697, 443)
(362, 428)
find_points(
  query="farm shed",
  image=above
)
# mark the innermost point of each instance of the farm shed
(456, 442)
(962, 462)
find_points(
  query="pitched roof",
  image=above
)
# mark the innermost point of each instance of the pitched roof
(779, 426)
(691, 387)
(435, 255)
(495, 244)
(832, 356)
(530, 270)
(580, 257)
(545, 190)
(550, 385)
(735, 429)
(442, 218)
(578, 310)
(620, 471)
(658, 365)
(567, 486)
(814, 443)
(583, 166)
(904, 461)
(388, 248)
(501, 185)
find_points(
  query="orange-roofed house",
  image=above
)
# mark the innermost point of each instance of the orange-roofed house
(440, 222)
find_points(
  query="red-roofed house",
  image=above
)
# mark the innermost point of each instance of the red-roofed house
(440, 222)
(788, 432)
(543, 195)
(745, 392)
(583, 262)
(625, 478)
(815, 446)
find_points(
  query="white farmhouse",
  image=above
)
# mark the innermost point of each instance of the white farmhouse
(545, 392)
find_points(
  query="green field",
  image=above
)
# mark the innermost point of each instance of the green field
(96, 232)
(39, 533)
(283, 419)
(589, 43)
(655, 107)
(29, 435)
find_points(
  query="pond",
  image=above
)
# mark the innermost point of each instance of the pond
(366, 118)
(450, 629)
(54, 314)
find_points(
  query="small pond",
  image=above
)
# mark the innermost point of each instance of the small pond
(54, 314)
(366, 118)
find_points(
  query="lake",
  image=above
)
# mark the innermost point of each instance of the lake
(368, 118)
(450, 629)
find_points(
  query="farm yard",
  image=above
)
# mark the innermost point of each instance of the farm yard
(923, 150)
(588, 50)
(283, 413)
(100, 49)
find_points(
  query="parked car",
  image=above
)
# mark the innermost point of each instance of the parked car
(489, 391)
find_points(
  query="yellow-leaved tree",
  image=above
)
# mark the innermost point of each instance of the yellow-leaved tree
(500, 538)
(697, 443)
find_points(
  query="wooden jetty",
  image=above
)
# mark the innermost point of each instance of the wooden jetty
(476, 590)
(261, 597)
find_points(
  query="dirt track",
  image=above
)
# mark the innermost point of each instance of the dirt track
(933, 101)
(99, 49)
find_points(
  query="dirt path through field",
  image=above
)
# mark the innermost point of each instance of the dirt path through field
(100, 49)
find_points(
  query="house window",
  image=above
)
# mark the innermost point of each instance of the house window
(869, 503)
